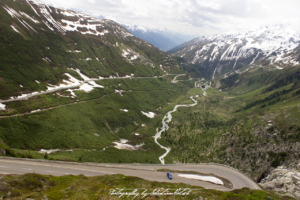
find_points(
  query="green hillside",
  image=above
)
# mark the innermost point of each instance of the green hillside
(37, 55)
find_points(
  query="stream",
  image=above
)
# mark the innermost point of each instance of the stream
(165, 126)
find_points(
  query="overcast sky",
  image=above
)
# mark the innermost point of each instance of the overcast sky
(195, 17)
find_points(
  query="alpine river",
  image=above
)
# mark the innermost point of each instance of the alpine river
(165, 126)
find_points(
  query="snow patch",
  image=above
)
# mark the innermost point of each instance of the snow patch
(47, 59)
(125, 53)
(123, 141)
(11, 12)
(75, 51)
(2, 106)
(32, 19)
(34, 111)
(68, 13)
(86, 87)
(119, 91)
(90, 28)
(149, 114)
(211, 179)
(134, 57)
(124, 110)
(45, 11)
(48, 151)
(72, 92)
(122, 145)
(72, 82)
(14, 28)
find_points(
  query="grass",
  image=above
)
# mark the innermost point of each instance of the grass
(100, 187)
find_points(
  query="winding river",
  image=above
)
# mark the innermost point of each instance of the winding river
(165, 126)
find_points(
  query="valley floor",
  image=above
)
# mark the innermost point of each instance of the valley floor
(250, 127)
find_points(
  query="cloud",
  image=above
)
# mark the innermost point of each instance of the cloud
(193, 16)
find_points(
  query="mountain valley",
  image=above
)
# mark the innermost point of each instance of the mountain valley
(81, 89)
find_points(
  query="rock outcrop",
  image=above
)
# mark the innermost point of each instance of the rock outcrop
(283, 180)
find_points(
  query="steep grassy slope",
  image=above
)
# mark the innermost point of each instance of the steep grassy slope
(43, 47)
(31, 51)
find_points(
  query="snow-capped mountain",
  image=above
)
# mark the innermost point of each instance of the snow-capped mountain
(44, 43)
(164, 39)
(223, 53)
(161, 38)
(70, 20)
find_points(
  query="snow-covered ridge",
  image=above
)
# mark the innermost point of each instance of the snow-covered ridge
(279, 32)
(69, 20)
(274, 44)
(46, 11)
(131, 27)
(18, 16)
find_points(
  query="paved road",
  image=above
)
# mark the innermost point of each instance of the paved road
(174, 80)
(78, 85)
(69, 87)
(22, 166)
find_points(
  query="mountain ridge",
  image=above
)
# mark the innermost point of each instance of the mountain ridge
(38, 23)
(222, 54)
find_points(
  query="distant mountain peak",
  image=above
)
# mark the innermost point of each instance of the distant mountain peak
(162, 38)
(274, 45)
